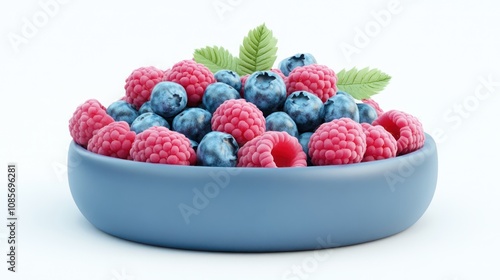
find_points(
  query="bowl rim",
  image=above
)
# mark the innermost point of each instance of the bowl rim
(428, 147)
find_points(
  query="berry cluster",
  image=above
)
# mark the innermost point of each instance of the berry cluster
(290, 116)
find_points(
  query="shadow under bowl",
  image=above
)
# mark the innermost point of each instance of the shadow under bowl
(252, 209)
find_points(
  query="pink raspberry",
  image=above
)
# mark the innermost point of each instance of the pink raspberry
(314, 78)
(240, 118)
(86, 120)
(272, 149)
(340, 141)
(243, 81)
(158, 144)
(193, 76)
(374, 104)
(380, 144)
(113, 140)
(140, 83)
(406, 129)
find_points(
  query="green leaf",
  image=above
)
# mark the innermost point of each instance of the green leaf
(258, 51)
(362, 84)
(216, 58)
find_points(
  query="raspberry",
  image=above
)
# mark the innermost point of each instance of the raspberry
(159, 144)
(340, 141)
(317, 79)
(86, 120)
(406, 129)
(140, 83)
(240, 118)
(272, 149)
(243, 81)
(374, 104)
(114, 140)
(380, 144)
(193, 76)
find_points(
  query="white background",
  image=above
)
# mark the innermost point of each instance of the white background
(438, 53)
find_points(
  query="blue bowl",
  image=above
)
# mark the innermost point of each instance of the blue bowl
(252, 209)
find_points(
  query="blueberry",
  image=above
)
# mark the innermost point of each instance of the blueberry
(146, 108)
(341, 106)
(168, 99)
(146, 121)
(122, 111)
(306, 109)
(216, 94)
(304, 142)
(217, 149)
(281, 121)
(367, 113)
(266, 90)
(301, 59)
(229, 77)
(194, 123)
(194, 144)
(345, 94)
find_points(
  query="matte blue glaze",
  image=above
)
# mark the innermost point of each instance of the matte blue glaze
(253, 209)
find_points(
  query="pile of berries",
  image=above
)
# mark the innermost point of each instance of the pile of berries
(291, 116)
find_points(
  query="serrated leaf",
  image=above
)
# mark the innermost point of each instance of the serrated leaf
(258, 51)
(216, 58)
(362, 84)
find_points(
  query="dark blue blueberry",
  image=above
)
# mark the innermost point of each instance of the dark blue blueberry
(146, 108)
(266, 90)
(216, 94)
(301, 59)
(304, 142)
(146, 121)
(281, 121)
(306, 109)
(367, 113)
(345, 94)
(217, 149)
(168, 99)
(194, 144)
(228, 77)
(122, 111)
(194, 123)
(341, 106)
